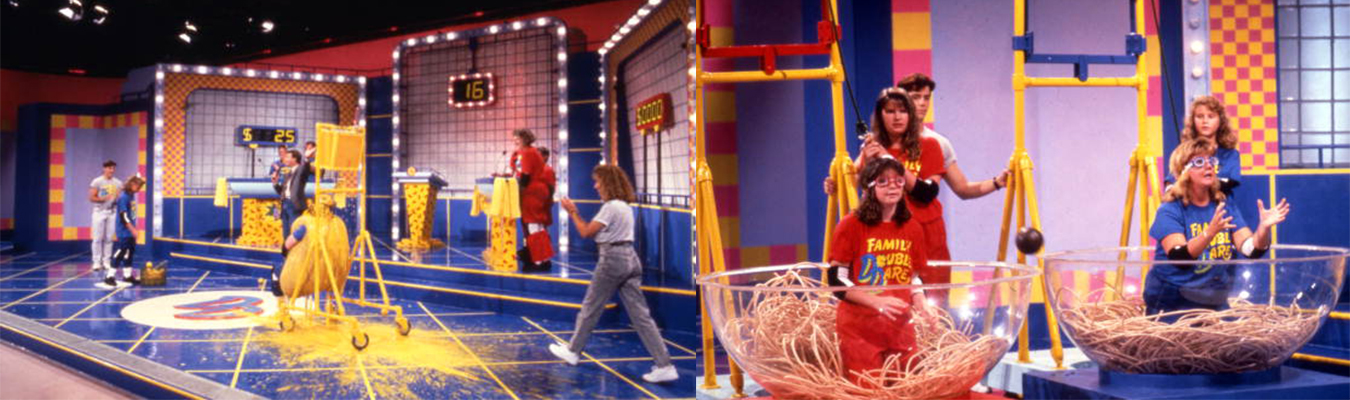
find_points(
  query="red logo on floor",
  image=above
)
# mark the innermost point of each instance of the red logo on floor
(226, 307)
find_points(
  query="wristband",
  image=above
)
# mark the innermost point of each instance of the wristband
(1179, 253)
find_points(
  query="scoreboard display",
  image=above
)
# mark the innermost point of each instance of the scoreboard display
(654, 114)
(472, 90)
(264, 135)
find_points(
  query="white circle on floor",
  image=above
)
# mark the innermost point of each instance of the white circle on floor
(226, 309)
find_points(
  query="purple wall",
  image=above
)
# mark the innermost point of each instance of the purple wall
(770, 137)
(86, 150)
(1079, 139)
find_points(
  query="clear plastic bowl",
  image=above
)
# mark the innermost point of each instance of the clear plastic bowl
(779, 324)
(1132, 314)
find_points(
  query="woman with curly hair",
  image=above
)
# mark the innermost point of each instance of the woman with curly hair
(618, 270)
(1194, 223)
(1208, 120)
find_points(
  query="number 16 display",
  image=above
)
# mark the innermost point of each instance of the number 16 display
(472, 90)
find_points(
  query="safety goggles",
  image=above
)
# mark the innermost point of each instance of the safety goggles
(1202, 161)
(897, 182)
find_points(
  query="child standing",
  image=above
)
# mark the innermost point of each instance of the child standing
(617, 270)
(125, 249)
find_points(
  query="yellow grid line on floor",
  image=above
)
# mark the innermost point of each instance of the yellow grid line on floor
(243, 350)
(434, 335)
(471, 352)
(47, 289)
(682, 348)
(365, 378)
(398, 367)
(12, 259)
(41, 266)
(597, 362)
(91, 305)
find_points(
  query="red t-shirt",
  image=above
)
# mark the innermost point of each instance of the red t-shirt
(885, 254)
(930, 165)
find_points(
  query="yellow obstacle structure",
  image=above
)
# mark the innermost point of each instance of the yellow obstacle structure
(420, 199)
(502, 208)
(1022, 191)
(842, 201)
(321, 267)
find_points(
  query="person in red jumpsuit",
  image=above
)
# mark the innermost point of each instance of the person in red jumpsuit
(528, 166)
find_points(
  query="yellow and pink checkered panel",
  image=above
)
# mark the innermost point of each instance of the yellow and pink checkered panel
(1242, 70)
(63, 127)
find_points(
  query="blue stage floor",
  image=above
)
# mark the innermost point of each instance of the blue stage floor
(452, 352)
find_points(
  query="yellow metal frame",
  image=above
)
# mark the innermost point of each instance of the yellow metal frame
(1022, 194)
(843, 200)
(362, 251)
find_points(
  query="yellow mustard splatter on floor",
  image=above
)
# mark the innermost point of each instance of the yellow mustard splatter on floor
(391, 363)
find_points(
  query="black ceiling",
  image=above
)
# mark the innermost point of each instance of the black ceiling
(137, 33)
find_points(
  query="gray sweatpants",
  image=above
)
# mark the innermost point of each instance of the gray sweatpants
(102, 235)
(619, 270)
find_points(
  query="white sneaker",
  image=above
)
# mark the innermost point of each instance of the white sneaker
(562, 352)
(661, 374)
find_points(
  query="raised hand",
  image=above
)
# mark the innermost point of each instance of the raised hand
(1273, 215)
(1221, 221)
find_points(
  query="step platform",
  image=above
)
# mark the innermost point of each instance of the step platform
(1275, 383)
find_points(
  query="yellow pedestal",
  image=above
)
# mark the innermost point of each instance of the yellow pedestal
(261, 228)
(503, 210)
(420, 199)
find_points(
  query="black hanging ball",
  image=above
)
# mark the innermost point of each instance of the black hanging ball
(1029, 240)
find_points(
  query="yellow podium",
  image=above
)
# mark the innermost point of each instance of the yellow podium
(260, 227)
(502, 208)
(419, 196)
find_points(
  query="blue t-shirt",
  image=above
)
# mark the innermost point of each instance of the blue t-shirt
(126, 214)
(1191, 221)
(1230, 166)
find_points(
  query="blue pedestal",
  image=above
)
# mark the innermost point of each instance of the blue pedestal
(1277, 383)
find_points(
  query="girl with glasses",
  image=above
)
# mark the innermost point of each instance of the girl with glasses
(880, 243)
(1194, 223)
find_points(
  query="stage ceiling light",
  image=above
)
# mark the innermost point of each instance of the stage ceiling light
(73, 11)
(102, 14)
(268, 26)
(185, 37)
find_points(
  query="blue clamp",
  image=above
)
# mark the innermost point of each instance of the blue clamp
(1025, 43)
(1135, 44)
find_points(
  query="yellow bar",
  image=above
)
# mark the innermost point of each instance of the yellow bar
(228, 246)
(1320, 359)
(759, 76)
(1340, 315)
(222, 261)
(1072, 82)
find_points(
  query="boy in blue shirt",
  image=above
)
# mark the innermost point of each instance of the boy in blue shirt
(125, 248)
(1194, 223)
